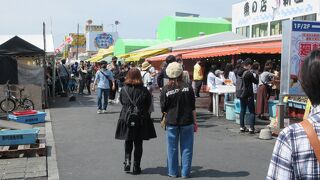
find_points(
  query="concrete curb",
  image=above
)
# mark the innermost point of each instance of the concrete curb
(53, 173)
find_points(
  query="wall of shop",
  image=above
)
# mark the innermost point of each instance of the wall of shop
(174, 28)
(259, 18)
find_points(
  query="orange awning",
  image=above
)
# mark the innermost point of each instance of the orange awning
(253, 48)
(163, 57)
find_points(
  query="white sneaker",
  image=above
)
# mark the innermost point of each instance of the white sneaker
(104, 111)
(99, 111)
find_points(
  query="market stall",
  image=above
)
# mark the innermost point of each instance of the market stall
(20, 63)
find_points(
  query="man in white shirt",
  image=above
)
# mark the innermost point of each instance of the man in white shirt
(147, 80)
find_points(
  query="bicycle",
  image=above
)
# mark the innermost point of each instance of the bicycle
(11, 103)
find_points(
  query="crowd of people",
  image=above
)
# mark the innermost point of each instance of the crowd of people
(254, 83)
(254, 87)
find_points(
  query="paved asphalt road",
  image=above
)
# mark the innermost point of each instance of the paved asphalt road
(86, 148)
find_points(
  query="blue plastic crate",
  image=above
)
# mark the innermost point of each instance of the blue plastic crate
(29, 119)
(230, 111)
(18, 137)
(272, 105)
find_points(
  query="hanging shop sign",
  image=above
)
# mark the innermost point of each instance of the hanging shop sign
(251, 12)
(98, 40)
(78, 40)
(104, 40)
(299, 39)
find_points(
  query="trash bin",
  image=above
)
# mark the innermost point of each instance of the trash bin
(230, 111)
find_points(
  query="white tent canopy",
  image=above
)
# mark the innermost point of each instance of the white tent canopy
(35, 39)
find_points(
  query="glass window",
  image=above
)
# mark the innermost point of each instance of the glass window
(244, 31)
(260, 30)
(275, 28)
(311, 17)
(247, 31)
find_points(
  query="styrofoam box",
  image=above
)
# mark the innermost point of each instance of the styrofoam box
(18, 137)
(29, 119)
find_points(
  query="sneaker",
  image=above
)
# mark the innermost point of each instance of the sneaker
(99, 111)
(104, 111)
(185, 177)
(173, 176)
(243, 129)
(252, 131)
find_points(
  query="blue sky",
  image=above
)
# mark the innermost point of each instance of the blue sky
(138, 18)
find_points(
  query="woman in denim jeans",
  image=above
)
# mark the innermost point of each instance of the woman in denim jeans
(178, 102)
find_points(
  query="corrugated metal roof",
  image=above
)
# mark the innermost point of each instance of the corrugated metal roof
(141, 42)
(186, 43)
(200, 20)
(233, 42)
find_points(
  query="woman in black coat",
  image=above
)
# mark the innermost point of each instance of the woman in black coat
(141, 130)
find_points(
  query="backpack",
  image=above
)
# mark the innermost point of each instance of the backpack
(133, 114)
(241, 86)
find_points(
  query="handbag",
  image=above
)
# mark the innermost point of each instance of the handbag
(312, 136)
(163, 122)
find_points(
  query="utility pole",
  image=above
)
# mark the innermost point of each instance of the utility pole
(44, 65)
(77, 42)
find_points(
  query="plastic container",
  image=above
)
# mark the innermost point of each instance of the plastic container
(272, 105)
(230, 111)
(18, 137)
(29, 119)
(23, 113)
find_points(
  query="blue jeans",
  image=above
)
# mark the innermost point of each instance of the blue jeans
(184, 134)
(105, 93)
(244, 102)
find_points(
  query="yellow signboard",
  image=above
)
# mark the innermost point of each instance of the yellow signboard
(79, 40)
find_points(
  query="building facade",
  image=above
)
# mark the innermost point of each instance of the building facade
(261, 18)
(176, 28)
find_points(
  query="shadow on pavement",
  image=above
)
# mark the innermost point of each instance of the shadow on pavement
(157, 170)
(199, 172)
(63, 102)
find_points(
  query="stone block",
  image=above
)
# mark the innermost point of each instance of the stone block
(36, 159)
(36, 168)
(36, 174)
(13, 176)
(14, 170)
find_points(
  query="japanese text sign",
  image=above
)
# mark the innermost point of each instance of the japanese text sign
(303, 37)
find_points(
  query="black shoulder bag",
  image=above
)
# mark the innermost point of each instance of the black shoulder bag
(133, 115)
